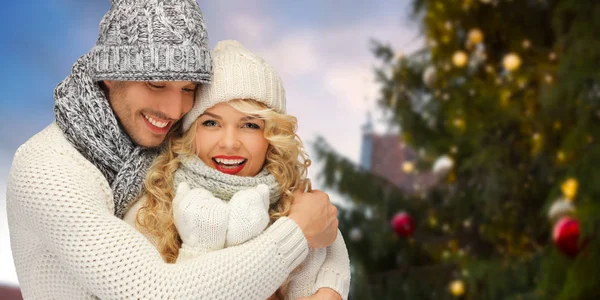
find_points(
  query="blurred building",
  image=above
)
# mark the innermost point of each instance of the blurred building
(387, 156)
(10, 293)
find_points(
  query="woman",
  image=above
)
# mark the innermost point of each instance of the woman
(243, 174)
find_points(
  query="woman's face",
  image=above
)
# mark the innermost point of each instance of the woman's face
(231, 141)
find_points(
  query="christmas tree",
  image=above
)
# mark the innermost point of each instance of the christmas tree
(502, 108)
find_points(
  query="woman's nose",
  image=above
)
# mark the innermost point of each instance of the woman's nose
(230, 139)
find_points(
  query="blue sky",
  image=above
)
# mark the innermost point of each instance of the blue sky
(320, 48)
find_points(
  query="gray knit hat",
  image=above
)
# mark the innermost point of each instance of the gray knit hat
(152, 40)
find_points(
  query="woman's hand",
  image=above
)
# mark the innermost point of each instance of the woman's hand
(201, 219)
(248, 214)
(324, 294)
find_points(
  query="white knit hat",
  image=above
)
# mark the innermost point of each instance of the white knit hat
(237, 74)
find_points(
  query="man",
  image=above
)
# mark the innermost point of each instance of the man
(70, 184)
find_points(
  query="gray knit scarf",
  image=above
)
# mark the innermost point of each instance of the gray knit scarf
(197, 174)
(84, 115)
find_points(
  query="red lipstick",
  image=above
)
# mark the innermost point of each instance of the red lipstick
(229, 168)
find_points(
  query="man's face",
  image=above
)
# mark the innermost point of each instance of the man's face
(148, 110)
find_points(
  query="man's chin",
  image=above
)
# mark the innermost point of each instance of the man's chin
(149, 143)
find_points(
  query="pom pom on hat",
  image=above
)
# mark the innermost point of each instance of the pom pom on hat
(238, 74)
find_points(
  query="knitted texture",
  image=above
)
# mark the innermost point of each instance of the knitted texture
(238, 74)
(323, 268)
(223, 186)
(67, 244)
(89, 123)
(152, 40)
(206, 223)
(209, 225)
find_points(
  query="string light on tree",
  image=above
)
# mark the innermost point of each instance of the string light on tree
(459, 123)
(460, 59)
(552, 56)
(356, 234)
(474, 37)
(511, 62)
(526, 44)
(537, 143)
(429, 76)
(561, 156)
(454, 149)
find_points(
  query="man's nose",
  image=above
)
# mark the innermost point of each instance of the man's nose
(176, 104)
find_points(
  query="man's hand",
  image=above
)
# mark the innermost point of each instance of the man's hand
(316, 216)
(324, 294)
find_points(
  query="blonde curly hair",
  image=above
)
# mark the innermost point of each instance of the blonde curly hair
(286, 159)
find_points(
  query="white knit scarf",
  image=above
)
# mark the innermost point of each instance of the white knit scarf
(197, 174)
(84, 115)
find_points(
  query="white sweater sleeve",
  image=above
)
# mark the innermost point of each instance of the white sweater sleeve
(335, 271)
(59, 200)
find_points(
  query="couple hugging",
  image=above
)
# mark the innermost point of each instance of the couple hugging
(170, 172)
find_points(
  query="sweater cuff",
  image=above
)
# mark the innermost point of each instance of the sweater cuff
(291, 243)
(328, 278)
(188, 253)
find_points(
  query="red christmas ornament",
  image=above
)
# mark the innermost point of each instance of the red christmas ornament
(403, 224)
(566, 236)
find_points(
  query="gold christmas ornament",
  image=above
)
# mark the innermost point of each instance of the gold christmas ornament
(569, 188)
(457, 288)
(459, 59)
(475, 36)
(511, 62)
(408, 167)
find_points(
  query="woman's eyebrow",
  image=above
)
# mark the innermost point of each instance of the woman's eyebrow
(212, 115)
(248, 118)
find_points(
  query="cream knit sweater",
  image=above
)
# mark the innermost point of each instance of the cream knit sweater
(67, 244)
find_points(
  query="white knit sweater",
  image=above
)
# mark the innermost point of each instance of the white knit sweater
(328, 267)
(67, 244)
